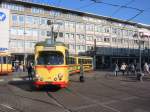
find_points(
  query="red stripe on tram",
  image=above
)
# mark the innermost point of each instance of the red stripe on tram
(50, 67)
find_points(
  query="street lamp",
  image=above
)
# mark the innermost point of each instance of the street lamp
(24, 46)
(141, 47)
(53, 34)
(94, 58)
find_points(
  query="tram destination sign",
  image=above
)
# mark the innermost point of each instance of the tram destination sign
(49, 48)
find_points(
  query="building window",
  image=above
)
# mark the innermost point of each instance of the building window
(43, 33)
(72, 36)
(71, 46)
(99, 38)
(28, 32)
(107, 29)
(34, 32)
(71, 24)
(119, 31)
(89, 38)
(35, 20)
(114, 40)
(106, 40)
(12, 6)
(21, 31)
(29, 19)
(114, 31)
(125, 32)
(67, 35)
(130, 33)
(80, 26)
(89, 47)
(43, 21)
(90, 27)
(78, 47)
(13, 31)
(98, 28)
(54, 13)
(35, 10)
(21, 18)
(14, 18)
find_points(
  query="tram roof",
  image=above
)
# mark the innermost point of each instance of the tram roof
(46, 44)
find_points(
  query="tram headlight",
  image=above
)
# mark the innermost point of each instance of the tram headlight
(37, 77)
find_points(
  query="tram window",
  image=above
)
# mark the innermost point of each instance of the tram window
(67, 56)
(4, 60)
(83, 61)
(0, 60)
(80, 61)
(71, 60)
(50, 58)
(9, 60)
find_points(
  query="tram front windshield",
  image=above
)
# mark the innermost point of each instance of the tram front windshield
(50, 58)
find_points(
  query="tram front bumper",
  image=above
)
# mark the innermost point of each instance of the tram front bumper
(42, 83)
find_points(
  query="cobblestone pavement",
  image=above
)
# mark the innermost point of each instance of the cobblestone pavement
(101, 92)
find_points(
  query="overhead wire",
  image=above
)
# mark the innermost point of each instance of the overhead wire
(121, 8)
(135, 16)
(85, 6)
(140, 11)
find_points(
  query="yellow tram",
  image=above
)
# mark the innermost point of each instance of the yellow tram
(53, 64)
(50, 64)
(5, 63)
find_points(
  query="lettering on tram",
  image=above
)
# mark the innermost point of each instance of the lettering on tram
(53, 65)
(49, 48)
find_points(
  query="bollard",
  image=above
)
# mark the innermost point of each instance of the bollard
(81, 73)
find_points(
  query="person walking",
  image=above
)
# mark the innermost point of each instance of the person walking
(132, 69)
(146, 69)
(123, 68)
(30, 70)
(116, 69)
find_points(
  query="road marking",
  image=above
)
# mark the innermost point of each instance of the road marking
(7, 106)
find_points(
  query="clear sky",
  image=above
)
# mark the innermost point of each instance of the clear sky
(110, 8)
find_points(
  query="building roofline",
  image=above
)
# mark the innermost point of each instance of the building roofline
(47, 6)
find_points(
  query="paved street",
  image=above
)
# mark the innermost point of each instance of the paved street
(101, 92)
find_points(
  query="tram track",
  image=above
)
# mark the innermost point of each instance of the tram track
(63, 106)
(34, 99)
(56, 102)
(6, 104)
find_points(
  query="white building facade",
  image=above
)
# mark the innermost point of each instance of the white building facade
(116, 40)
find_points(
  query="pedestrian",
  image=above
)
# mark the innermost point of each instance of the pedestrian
(30, 70)
(116, 69)
(123, 68)
(132, 69)
(21, 67)
(146, 69)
